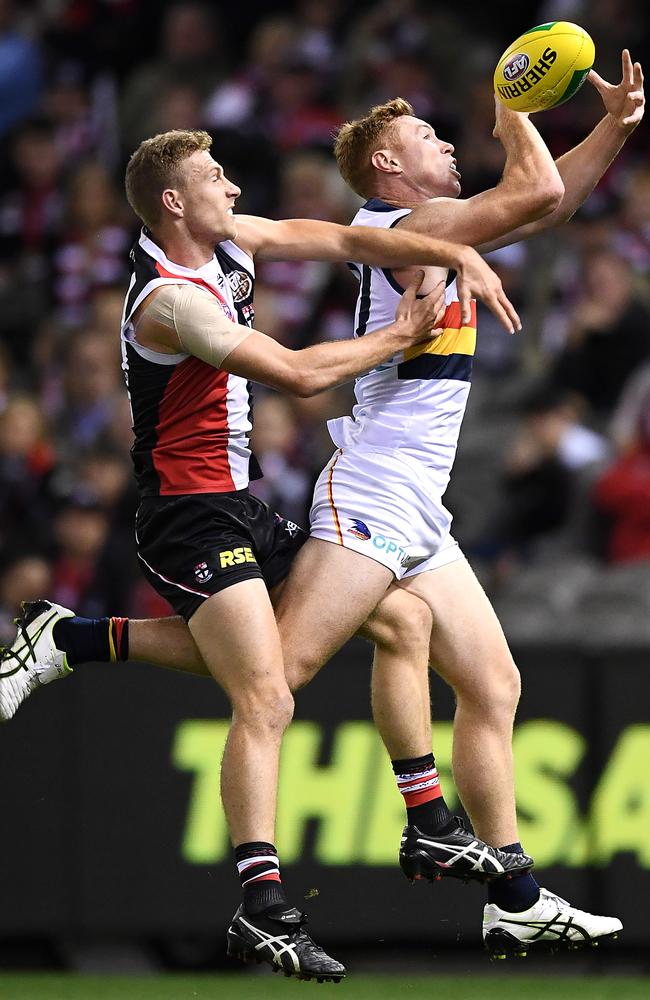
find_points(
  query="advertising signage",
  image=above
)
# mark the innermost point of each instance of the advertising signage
(110, 786)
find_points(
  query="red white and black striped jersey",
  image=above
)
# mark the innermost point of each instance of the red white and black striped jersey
(191, 421)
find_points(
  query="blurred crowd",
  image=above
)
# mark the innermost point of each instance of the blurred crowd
(554, 457)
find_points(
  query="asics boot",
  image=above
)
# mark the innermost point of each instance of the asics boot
(282, 942)
(456, 854)
(33, 659)
(550, 924)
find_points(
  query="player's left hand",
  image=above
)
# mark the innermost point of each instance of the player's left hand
(624, 102)
(476, 280)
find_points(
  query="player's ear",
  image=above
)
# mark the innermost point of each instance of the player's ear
(385, 161)
(172, 200)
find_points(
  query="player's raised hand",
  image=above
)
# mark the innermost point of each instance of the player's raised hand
(422, 316)
(503, 116)
(476, 280)
(624, 102)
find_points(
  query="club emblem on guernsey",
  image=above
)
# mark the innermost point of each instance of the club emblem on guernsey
(202, 572)
(359, 530)
(241, 285)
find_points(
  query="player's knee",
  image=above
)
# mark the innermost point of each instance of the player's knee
(496, 694)
(301, 668)
(267, 709)
(400, 623)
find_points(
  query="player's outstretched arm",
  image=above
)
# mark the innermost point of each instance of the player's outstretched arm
(184, 318)
(529, 189)
(306, 239)
(314, 369)
(310, 239)
(582, 167)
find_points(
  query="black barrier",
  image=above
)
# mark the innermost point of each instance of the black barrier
(111, 820)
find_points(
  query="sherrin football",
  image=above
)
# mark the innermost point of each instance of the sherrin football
(544, 67)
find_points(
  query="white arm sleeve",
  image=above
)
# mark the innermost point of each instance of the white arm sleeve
(200, 323)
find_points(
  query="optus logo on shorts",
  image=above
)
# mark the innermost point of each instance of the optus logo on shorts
(234, 557)
(361, 530)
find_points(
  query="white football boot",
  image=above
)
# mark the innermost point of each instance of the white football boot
(550, 924)
(33, 659)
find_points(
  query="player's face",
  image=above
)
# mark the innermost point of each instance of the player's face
(208, 198)
(428, 163)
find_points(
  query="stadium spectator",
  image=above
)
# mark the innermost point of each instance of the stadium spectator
(94, 246)
(31, 216)
(276, 442)
(27, 461)
(548, 470)
(623, 493)
(309, 297)
(609, 333)
(21, 68)
(189, 55)
(92, 388)
(24, 577)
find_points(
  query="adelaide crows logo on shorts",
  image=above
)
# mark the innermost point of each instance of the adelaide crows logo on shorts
(359, 530)
(202, 572)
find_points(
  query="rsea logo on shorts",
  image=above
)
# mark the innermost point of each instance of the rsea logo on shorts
(234, 557)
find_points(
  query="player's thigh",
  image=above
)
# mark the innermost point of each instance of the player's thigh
(237, 636)
(329, 593)
(468, 647)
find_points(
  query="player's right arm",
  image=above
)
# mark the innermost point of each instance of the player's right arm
(529, 189)
(183, 318)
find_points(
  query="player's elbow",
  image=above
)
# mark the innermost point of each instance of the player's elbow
(309, 383)
(549, 195)
(300, 381)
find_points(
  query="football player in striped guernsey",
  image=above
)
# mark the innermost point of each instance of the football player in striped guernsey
(205, 543)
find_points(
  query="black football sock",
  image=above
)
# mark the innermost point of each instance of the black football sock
(418, 781)
(259, 871)
(513, 894)
(92, 640)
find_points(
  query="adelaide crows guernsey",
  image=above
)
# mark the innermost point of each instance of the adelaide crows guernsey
(191, 421)
(414, 403)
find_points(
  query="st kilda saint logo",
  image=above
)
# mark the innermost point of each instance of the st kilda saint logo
(241, 285)
(202, 572)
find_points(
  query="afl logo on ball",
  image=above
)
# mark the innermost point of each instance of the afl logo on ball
(516, 66)
(241, 285)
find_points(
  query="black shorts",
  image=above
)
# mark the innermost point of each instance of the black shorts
(193, 546)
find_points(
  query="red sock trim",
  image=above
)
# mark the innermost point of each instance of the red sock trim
(418, 798)
(119, 636)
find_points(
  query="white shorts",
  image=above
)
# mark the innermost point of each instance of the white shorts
(384, 507)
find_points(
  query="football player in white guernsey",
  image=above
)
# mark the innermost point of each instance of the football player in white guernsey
(378, 513)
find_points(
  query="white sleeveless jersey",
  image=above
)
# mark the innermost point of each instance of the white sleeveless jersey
(414, 403)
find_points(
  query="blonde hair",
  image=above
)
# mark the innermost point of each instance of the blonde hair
(155, 166)
(356, 141)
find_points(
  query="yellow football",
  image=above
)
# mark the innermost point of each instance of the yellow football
(544, 67)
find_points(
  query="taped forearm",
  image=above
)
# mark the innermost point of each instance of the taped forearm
(201, 325)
